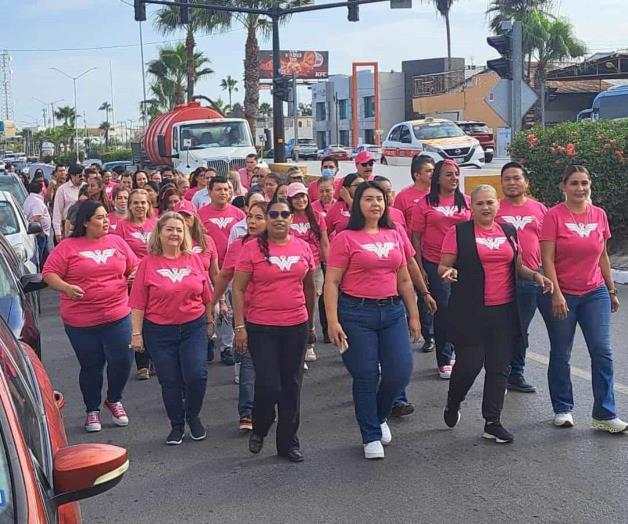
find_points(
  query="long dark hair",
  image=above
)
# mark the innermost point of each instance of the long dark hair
(264, 207)
(433, 196)
(262, 240)
(85, 212)
(311, 217)
(348, 180)
(357, 220)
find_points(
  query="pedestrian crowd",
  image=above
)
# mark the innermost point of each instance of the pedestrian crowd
(168, 270)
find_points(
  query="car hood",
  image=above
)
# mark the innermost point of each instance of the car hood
(453, 142)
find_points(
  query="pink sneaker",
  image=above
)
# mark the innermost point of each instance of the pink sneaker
(118, 413)
(92, 422)
(444, 372)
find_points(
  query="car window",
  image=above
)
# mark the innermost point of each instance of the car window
(8, 219)
(7, 511)
(394, 134)
(438, 130)
(404, 135)
(475, 128)
(13, 186)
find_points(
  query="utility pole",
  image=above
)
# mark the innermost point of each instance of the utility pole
(295, 115)
(278, 132)
(517, 76)
(144, 119)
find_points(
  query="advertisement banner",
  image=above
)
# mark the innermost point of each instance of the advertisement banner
(307, 65)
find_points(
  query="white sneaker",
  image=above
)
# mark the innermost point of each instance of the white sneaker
(236, 370)
(374, 450)
(310, 354)
(386, 434)
(305, 367)
(614, 425)
(444, 372)
(563, 420)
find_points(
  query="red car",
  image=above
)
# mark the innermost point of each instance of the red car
(483, 133)
(336, 151)
(41, 476)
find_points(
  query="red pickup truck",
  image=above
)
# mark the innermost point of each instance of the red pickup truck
(483, 133)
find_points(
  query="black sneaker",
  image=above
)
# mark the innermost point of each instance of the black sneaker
(495, 431)
(175, 437)
(256, 443)
(402, 409)
(520, 384)
(226, 357)
(451, 416)
(428, 346)
(197, 430)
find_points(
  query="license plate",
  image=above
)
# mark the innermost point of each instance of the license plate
(459, 159)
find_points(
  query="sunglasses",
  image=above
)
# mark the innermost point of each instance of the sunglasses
(367, 164)
(275, 214)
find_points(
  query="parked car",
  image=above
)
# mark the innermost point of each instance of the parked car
(41, 476)
(376, 151)
(20, 233)
(306, 148)
(19, 300)
(483, 133)
(336, 151)
(438, 138)
(13, 184)
(108, 166)
(89, 161)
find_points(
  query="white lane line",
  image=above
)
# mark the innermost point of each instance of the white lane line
(542, 359)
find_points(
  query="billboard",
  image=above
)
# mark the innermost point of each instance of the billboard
(305, 64)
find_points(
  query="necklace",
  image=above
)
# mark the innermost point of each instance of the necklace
(586, 214)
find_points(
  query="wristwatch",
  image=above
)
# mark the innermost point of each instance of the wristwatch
(612, 292)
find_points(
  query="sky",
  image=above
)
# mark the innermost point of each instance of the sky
(41, 34)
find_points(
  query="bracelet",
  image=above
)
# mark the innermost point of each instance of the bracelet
(238, 328)
(425, 293)
(136, 334)
(612, 292)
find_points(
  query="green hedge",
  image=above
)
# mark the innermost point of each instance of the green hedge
(116, 154)
(601, 146)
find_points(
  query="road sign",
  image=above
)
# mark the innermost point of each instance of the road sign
(499, 98)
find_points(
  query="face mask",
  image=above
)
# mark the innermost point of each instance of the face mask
(328, 171)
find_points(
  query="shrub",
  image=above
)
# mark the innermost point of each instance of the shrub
(600, 146)
(112, 155)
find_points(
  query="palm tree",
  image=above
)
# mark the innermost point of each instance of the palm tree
(229, 84)
(106, 107)
(168, 21)
(444, 8)
(555, 43)
(105, 126)
(171, 74)
(265, 109)
(220, 105)
(67, 114)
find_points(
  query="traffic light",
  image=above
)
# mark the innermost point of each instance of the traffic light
(354, 11)
(184, 12)
(282, 88)
(140, 10)
(502, 66)
(401, 4)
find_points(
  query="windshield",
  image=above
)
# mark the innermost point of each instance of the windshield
(475, 128)
(8, 220)
(13, 186)
(215, 134)
(306, 141)
(440, 130)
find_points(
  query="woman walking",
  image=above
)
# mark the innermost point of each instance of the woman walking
(172, 318)
(338, 215)
(91, 269)
(368, 322)
(574, 257)
(120, 201)
(484, 318)
(278, 267)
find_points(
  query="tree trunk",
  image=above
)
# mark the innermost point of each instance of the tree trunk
(189, 50)
(251, 74)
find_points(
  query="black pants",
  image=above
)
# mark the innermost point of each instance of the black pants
(493, 351)
(278, 354)
(322, 314)
(143, 360)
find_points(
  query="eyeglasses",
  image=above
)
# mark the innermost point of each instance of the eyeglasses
(367, 164)
(296, 177)
(275, 214)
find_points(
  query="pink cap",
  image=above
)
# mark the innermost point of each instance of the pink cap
(185, 206)
(296, 188)
(363, 157)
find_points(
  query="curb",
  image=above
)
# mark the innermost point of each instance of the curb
(620, 276)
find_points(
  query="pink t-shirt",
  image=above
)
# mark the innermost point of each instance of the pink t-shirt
(407, 199)
(337, 217)
(527, 220)
(190, 193)
(136, 236)
(109, 187)
(312, 189)
(433, 222)
(496, 255)
(277, 298)
(397, 216)
(218, 223)
(100, 268)
(408, 248)
(114, 220)
(301, 229)
(245, 180)
(580, 240)
(370, 261)
(170, 291)
(322, 209)
(209, 255)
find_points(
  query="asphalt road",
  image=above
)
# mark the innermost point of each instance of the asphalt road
(431, 474)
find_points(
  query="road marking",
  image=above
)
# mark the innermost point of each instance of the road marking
(542, 359)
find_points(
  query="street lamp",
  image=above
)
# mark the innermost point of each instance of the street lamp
(52, 108)
(74, 79)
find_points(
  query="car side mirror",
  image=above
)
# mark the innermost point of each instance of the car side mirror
(161, 148)
(86, 470)
(32, 282)
(34, 228)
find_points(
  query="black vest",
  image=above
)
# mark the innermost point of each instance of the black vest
(466, 311)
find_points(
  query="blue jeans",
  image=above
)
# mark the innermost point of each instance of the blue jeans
(179, 352)
(377, 335)
(99, 345)
(246, 384)
(528, 296)
(426, 318)
(224, 328)
(593, 313)
(440, 291)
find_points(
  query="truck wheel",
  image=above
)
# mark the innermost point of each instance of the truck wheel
(488, 158)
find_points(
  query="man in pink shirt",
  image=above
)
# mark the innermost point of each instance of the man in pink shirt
(36, 211)
(247, 172)
(526, 216)
(65, 196)
(421, 171)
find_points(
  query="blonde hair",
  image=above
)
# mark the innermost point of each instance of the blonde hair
(483, 188)
(141, 192)
(154, 240)
(198, 232)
